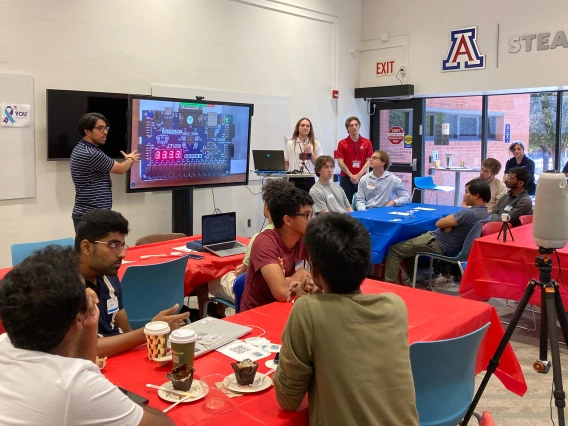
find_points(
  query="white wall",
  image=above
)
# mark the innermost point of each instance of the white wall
(423, 28)
(258, 46)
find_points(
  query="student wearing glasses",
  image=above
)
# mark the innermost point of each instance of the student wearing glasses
(278, 256)
(99, 242)
(90, 167)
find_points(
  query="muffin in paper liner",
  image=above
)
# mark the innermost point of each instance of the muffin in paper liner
(182, 377)
(245, 371)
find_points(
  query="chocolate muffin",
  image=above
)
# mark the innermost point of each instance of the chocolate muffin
(245, 371)
(182, 377)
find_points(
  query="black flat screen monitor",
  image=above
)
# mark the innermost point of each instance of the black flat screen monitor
(188, 143)
(65, 107)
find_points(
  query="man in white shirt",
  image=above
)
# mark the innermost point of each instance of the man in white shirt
(490, 167)
(378, 187)
(47, 370)
(327, 196)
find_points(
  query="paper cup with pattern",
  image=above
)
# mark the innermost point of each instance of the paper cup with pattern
(462, 163)
(157, 338)
(437, 163)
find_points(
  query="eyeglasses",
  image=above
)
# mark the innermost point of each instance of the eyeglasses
(115, 247)
(102, 128)
(307, 215)
(374, 157)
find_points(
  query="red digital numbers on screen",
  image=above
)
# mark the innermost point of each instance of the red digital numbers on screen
(168, 154)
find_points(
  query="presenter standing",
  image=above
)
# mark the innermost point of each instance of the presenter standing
(353, 156)
(302, 152)
(91, 167)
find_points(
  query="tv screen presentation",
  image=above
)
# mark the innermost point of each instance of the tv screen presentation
(65, 107)
(185, 143)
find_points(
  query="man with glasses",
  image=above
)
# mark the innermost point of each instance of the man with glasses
(99, 242)
(379, 187)
(517, 202)
(90, 167)
(278, 256)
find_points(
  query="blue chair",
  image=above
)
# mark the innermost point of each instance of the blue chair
(21, 251)
(460, 258)
(426, 183)
(149, 289)
(354, 202)
(444, 377)
(238, 288)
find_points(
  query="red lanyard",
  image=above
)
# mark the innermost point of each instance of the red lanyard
(355, 148)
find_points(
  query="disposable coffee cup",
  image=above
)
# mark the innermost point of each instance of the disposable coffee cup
(462, 163)
(182, 342)
(157, 338)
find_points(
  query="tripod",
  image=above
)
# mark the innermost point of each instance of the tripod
(504, 229)
(552, 307)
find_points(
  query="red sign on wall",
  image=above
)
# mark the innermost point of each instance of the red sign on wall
(396, 135)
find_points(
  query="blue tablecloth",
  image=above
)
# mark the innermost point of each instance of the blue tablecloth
(388, 229)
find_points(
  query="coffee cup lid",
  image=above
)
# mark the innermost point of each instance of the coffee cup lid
(156, 327)
(183, 335)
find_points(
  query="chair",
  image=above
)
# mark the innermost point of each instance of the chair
(354, 202)
(157, 238)
(526, 219)
(474, 233)
(426, 183)
(238, 288)
(149, 289)
(492, 228)
(444, 377)
(21, 251)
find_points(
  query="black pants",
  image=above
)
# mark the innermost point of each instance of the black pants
(76, 220)
(349, 187)
(304, 183)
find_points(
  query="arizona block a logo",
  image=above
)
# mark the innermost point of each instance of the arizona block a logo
(464, 53)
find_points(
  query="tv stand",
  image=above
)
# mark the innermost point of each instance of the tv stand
(182, 211)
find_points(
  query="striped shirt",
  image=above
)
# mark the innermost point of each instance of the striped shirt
(90, 168)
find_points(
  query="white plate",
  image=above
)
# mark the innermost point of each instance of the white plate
(266, 383)
(197, 389)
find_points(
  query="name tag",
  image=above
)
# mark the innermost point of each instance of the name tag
(508, 208)
(112, 305)
(331, 197)
(356, 164)
(370, 186)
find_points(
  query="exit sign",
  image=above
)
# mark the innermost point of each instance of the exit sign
(385, 68)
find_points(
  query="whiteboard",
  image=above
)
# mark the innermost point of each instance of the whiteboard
(270, 126)
(17, 144)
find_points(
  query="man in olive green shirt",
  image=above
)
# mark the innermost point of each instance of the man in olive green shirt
(347, 350)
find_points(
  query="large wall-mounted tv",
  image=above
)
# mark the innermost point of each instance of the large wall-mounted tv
(65, 107)
(188, 143)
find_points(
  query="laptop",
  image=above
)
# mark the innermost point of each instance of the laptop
(213, 333)
(267, 161)
(219, 234)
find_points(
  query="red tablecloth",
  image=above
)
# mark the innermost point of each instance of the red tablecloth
(503, 270)
(431, 317)
(197, 272)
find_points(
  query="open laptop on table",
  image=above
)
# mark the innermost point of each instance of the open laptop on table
(268, 161)
(219, 235)
(213, 333)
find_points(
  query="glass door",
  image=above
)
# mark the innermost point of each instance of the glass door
(396, 128)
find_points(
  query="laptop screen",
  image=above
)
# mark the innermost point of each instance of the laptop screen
(219, 228)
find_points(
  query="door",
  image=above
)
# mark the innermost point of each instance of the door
(396, 128)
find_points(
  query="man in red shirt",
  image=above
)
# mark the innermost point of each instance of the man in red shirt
(353, 156)
(278, 249)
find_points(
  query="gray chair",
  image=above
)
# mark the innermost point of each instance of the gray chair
(158, 238)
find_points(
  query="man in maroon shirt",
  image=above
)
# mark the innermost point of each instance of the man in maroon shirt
(278, 249)
(353, 156)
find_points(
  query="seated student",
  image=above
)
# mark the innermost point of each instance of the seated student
(347, 350)
(517, 202)
(47, 370)
(490, 167)
(447, 239)
(520, 159)
(327, 196)
(279, 249)
(378, 187)
(100, 245)
(223, 287)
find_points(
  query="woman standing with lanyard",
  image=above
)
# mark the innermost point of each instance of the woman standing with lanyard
(301, 153)
(519, 159)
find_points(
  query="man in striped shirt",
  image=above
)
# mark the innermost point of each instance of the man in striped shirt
(90, 167)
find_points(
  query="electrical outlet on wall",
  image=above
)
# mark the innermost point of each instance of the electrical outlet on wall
(249, 223)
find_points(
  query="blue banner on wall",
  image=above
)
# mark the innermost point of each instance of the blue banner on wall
(507, 133)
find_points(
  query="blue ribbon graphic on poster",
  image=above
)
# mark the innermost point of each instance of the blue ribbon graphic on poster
(15, 115)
